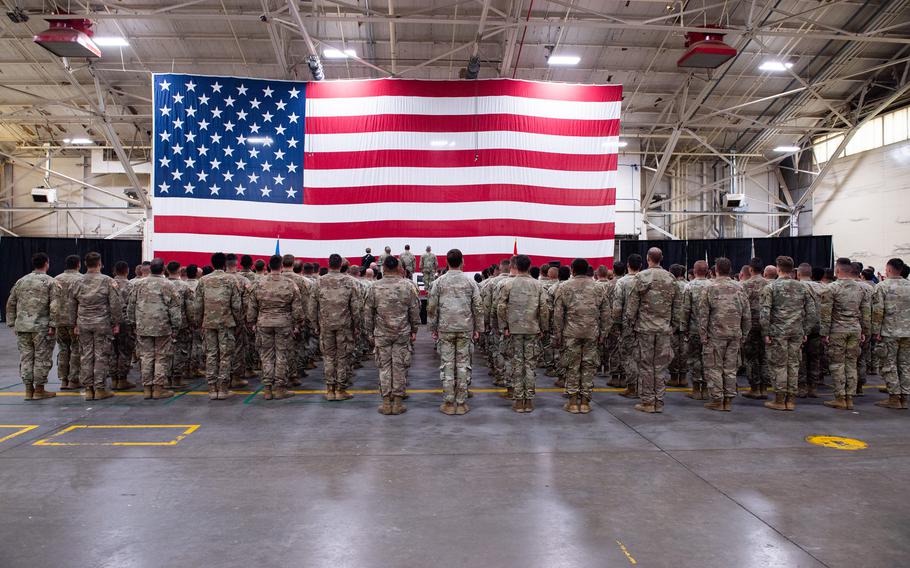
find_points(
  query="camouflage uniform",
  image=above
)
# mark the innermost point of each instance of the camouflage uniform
(156, 312)
(219, 305)
(891, 321)
(197, 345)
(495, 342)
(252, 352)
(523, 310)
(428, 266)
(454, 311)
(337, 302)
(183, 335)
(96, 306)
(31, 310)
(653, 308)
(864, 363)
(810, 369)
(125, 341)
(243, 338)
(408, 261)
(627, 341)
(68, 355)
(787, 315)
(689, 324)
(581, 321)
(275, 308)
(502, 367)
(845, 319)
(546, 342)
(391, 314)
(679, 364)
(724, 319)
(754, 354)
(300, 357)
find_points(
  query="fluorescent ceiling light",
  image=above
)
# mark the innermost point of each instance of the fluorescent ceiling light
(563, 60)
(787, 149)
(774, 66)
(110, 41)
(259, 140)
(623, 144)
(332, 53)
(77, 141)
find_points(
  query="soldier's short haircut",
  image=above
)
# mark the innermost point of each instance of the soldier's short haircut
(39, 260)
(817, 273)
(230, 259)
(564, 273)
(905, 272)
(407, 247)
(677, 270)
(523, 263)
(602, 272)
(868, 274)
(323, 271)
(207, 269)
(535, 272)
(723, 266)
(857, 268)
(478, 278)
(287, 260)
(218, 260)
(655, 255)
(896, 264)
(700, 268)
(275, 263)
(485, 273)
(71, 262)
(390, 263)
(93, 260)
(619, 269)
(298, 266)
(454, 258)
(146, 262)
(173, 267)
(259, 265)
(138, 270)
(579, 266)
(505, 263)
(307, 268)
(344, 265)
(634, 262)
(157, 266)
(756, 265)
(335, 261)
(121, 267)
(246, 261)
(804, 269)
(354, 270)
(192, 271)
(553, 272)
(784, 264)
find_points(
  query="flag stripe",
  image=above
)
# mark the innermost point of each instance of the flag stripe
(382, 229)
(472, 106)
(457, 159)
(458, 194)
(450, 141)
(461, 123)
(362, 177)
(477, 88)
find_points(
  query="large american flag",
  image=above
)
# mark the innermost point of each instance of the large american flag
(337, 166)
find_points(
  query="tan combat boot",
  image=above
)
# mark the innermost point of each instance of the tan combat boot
(386, 407)
(103, 393)
(29, 391)
(839, 403)
(213, 393)
(697, 393)
(903, 402)
(461, 409)
(728, 404)
(281, 392)
(893, 401)
(330, 392)
(341, 393)
(584, 405)
(267, 393)
(571, 405)
(715, 404)
(88, 393)
(802, 392)
(448, 408)
(223, 393)
(518, 405)
(397, 406)
(790, 402)
(529, 405)
(779, 402)
(159, 392)
(763, 391)
(754, 393)
(68, 385)
(147, 392)
(238, 383)
(648, 408)
(631, 391)
(848, 400)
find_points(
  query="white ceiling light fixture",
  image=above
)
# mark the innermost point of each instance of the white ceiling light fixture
(563, 60)
(787, 149)
(110, 41)
(777, 66)
(332, 53)
(77, 141)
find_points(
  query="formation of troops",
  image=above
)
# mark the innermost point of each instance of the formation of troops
(642, 326)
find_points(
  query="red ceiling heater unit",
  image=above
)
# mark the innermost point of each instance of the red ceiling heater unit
(705, 50)
(68, 38)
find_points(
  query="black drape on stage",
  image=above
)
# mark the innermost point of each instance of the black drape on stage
(16, 256)
(817, 251)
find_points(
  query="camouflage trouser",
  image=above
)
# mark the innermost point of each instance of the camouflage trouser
(680, 353)
(628, 352)
(783, 356)
(122, 355)
(756, 360)
(843, 351)
(523, 353)
(893, 354)
(36, 355)
(721, 362)
(546, 352)
(428, 278)
(197, 350)
(654, 356)
(694, 354)
(500, 363)
(863, 362)
(810, 368)
(455, 365)
(180, 355)
(219, 350)
(612, 355)
(97, 347)
(393, 357)
(68, 356)
(581, 357)
(243, 342)
(277, 351)
(337, 349)
(156, 357)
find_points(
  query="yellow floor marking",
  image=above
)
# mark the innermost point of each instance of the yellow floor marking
(626, 552)
(187, 430)
(838, 443)
(21, 429)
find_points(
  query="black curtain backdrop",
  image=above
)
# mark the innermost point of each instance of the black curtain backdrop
(16, 257)
(817, 251)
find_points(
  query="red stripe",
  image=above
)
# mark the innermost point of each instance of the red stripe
(458, 194)
(476, 88)
(461, 123)
(472, 262)
(382, 229)
(459, 159)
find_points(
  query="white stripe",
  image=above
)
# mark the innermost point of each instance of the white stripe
(443, 106)
(494, 140)
(230, 209)
(354, 247)
(363, 177)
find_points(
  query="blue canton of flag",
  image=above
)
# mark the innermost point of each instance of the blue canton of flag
(228, 138)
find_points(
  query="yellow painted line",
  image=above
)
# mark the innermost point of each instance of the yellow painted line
(626, 552)
(187, 430)
(21, 429)
(838, 443)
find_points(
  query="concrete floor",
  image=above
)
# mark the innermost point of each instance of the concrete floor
(304, 482)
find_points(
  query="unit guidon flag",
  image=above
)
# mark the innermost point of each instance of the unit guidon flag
(486, 166)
